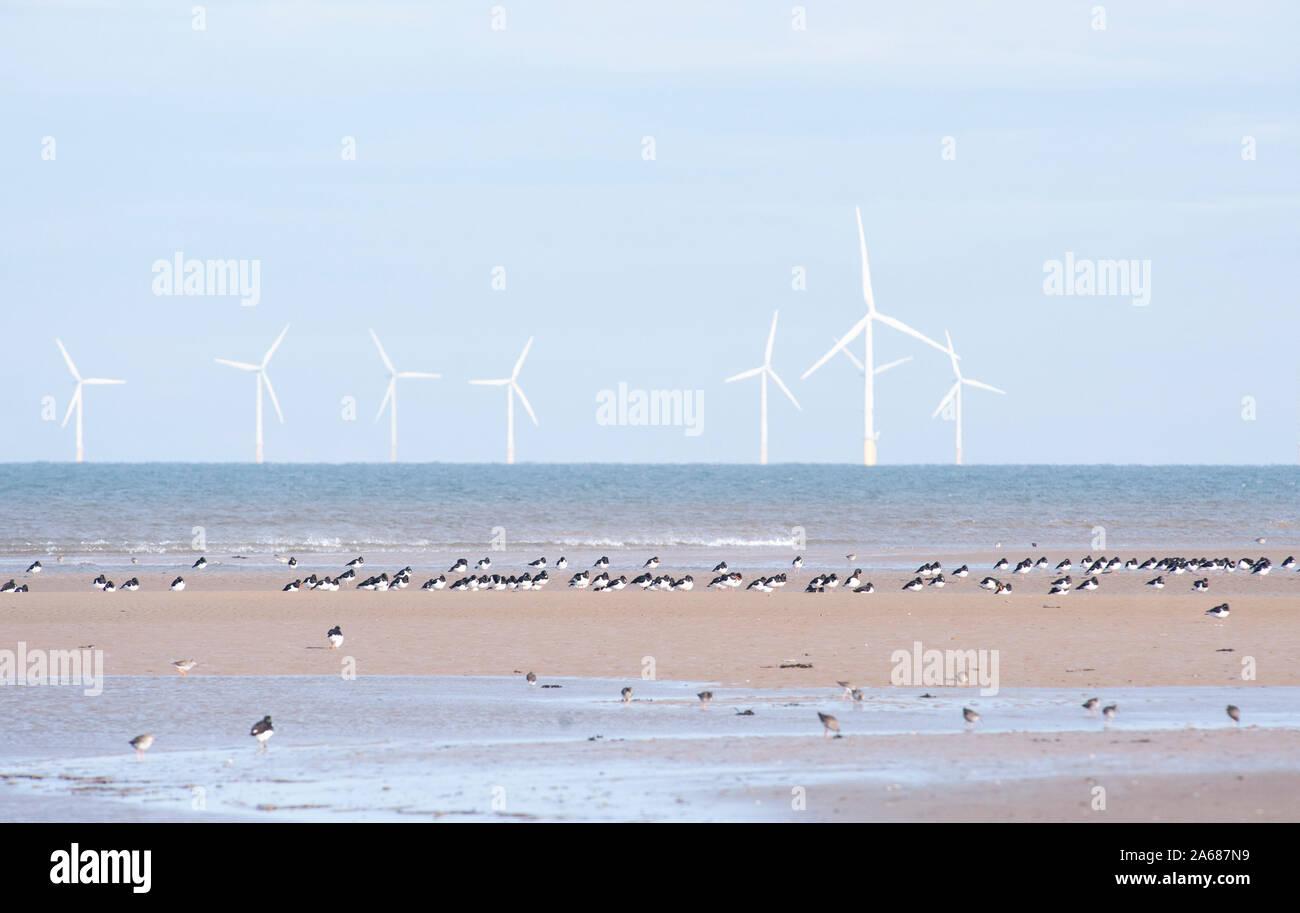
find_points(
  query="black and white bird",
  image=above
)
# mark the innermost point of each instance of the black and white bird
(797, 562)
(914, 584)
(562, 563)
(938, 582)
(200, 564)
(867, 587)
(1002, 565)
(435, 583)
(829, 724)
(719, 568)
(178, 584)
(131, 585)
(1002, 588)
(1219, 611)
(335, 637)
(651, 564)
(262, 731)
(854, 580)
(1089, 583)
(1064, 565)
(460, 566)
(1200, 586)
(602, 562)
(483, 563)
(539, 563)
(1157, 584)
(98, 582)
(9, 587)
(962, 571)
(1262, 567)
(989, 583)
(292, 587)
(110, 587)
(358, 561)
(34, 568)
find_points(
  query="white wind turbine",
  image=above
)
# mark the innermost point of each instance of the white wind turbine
(512, 388)
(390, 397)
(955, 392)
(865, 325)
(261, 379)
(76, 402)
(765, 371)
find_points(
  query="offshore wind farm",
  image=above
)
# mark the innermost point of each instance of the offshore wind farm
(920, 427)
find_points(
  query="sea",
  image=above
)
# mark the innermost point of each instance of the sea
(690, 514)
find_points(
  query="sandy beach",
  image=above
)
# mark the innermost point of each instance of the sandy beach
(241, 624)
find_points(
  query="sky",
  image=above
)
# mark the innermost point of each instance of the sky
(981, 141)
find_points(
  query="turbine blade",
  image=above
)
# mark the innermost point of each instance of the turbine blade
(522, 355)
(416, 374)
(893, 364)
(947, 399)
(904, 328)
(242, 365)
(275, 345)
(271, 390)
(68, 358)
(844, 340)
(72, 404)
(523, 399)
(982, 386)
(952, 354)
(387, 396)
(771, 338)
(743, 374)
(382, 354)
(492, 383)
(867, 294)
(853, 358)
(784, 389)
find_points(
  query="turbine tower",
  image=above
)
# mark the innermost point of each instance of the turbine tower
(765, 371)
(262, 379)
(869, 370)
(76, 402)
(390, 397)
(955, 392)
(511, 384)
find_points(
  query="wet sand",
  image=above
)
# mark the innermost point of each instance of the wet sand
(239, 623)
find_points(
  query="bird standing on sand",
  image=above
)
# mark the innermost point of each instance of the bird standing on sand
(262, 731)
(178, 584)
(531, 678)
(184, 665)
(200, 564)
(1219, 611)
(1091, 705)
(34, 568)
(971, 717)
(705, 697)
(797, 562)
(830, 723)
(1109, 713)
(1235, 714)
(627, 695)
(141, 743)
(335, 637)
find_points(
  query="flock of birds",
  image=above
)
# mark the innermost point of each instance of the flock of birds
(928, 575)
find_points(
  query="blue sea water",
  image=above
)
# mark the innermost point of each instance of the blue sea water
(90, 511)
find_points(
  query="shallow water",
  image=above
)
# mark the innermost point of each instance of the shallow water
(393, 747)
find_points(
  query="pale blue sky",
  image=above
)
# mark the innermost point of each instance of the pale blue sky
(522, 148)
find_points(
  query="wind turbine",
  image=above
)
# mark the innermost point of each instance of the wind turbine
(869, 370)
(955, 391)
(261, 379)
(765, 371)
(512, 388)
(390, 397)
(76, 402)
